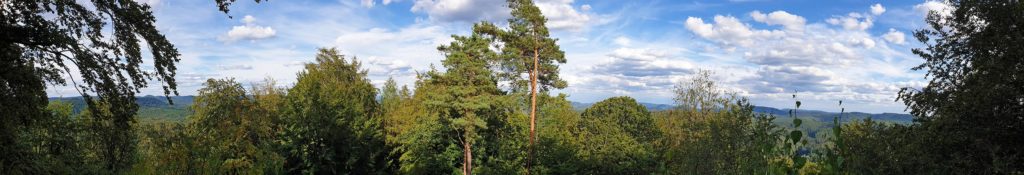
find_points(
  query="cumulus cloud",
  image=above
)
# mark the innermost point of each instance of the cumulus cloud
(367, 3)
(780, 79)
(788, 21)
(813, 44)
(893, 36)
(631, 70)
(249, 31)
(877, 9)
(387, 67)
(395, 52)
(852, 21)
(561, 14)
(462, 10)
(192, 78)
(806, 57)
(235, 67)
(941, 8)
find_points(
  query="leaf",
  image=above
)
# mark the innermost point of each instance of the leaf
(798, 104)
(795, 136)
(797, 122)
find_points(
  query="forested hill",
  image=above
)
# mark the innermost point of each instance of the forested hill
(150, 107)
(157, 108)
(817, 115)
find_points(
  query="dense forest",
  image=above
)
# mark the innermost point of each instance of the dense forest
(488, 110)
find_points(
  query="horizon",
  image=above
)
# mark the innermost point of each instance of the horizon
(758, 49)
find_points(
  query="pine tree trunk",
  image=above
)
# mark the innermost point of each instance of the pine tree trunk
(533, 109)
(467, 162)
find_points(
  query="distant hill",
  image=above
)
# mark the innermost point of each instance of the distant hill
(151, 108)
(580, 106)
(821, 116)
(158, 108)
(828, 116)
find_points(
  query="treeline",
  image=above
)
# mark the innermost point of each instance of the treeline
(477, 115)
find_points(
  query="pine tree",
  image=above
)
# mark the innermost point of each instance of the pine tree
(527, 48)
(469, 88)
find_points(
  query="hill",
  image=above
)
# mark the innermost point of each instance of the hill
(158, 108)
(151, 108)
(820, 116)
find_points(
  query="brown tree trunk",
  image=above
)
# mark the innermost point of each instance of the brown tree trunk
(533, 109)
(467, 162)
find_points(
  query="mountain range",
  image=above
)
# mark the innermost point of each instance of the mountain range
(158, 108)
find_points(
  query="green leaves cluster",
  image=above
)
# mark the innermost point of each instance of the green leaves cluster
(332, 122)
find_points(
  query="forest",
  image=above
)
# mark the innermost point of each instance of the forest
(488, 109)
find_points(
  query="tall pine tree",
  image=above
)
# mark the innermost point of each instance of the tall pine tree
(528, 49)
(469, 89)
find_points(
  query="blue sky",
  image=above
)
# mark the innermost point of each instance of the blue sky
(855, 51)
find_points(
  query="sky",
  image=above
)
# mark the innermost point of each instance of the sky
(850, 50)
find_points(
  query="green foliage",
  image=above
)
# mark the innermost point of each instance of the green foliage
(43, 41)
(231, 125)
(332, 125)
(525, 41)
(710, 133)
(973, 100)
(56, 143)
(113, 139)
(616, 137)
(332, 121)
(792, 145)
(558, 143)
(831, 156)
(476, 123)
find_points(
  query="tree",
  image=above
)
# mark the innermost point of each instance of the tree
(225, 5)
(229, 120)
(469, 88)
(975, 96)
(715, 132)
(527, 48)
(617, 136)
(332, 122)
(45, 40)
(558, 144)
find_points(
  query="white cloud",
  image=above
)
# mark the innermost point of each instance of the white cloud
(634, 70)
(877, 9)
(561, 14)
(249, 31)
(852, 21)
(151, 3)
(729, 31)
(941, 8)
(248, 19)
(463, 10)
(805, 56)
(235, 67)
(698, 27)
(788, 21)
(622, 41)
(395, 53)
(367, 3)
(893, 36)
